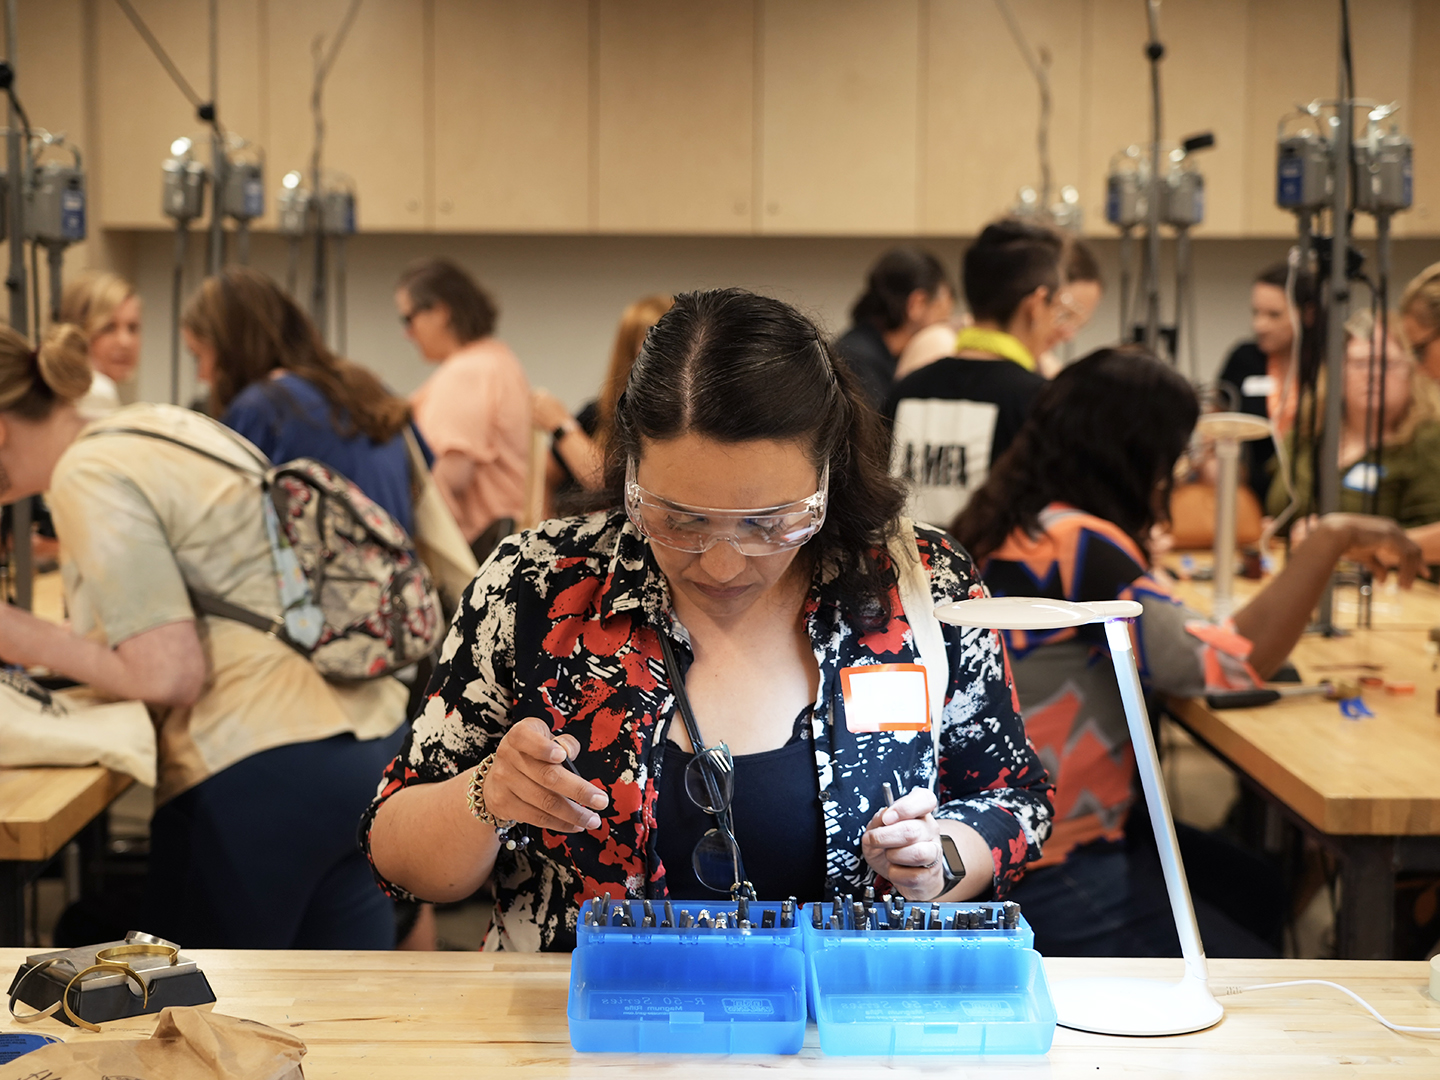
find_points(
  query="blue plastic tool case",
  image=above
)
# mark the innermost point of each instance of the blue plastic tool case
(978, 990)
(694, 990)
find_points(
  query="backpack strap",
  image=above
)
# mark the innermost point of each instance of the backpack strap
(209, 603)
(918, 605)
(259, 458)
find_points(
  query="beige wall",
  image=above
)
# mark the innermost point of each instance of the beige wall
(561, 296)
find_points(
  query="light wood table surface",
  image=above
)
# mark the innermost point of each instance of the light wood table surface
(469, 1015)
(42, 809)
(1370, 786)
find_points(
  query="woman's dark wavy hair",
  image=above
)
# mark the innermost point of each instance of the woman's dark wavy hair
(732, 366)
(1103, 437)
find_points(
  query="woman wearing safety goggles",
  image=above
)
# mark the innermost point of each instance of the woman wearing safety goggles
(706, 691)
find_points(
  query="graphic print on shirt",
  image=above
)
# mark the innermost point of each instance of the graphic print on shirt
(942, 451)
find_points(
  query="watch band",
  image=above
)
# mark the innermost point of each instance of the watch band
(952, 866)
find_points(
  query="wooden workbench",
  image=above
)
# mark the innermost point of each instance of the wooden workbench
(42, 810)
(1369, 788)
(467, 1015)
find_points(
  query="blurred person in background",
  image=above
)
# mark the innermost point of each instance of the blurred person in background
(1406, 485)
(273, 380)
(474, 411)
(906, 290)
(263, 764)
(1256, 372)
(106, 309)
(577, 443)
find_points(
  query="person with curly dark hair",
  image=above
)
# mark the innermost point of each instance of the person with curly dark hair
(1067, 513)
(704, 636)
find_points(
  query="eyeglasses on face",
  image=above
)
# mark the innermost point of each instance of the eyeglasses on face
(408, 317)
(696, 529)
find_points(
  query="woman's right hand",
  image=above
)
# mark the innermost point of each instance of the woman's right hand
(1378, 543)
(528, 781)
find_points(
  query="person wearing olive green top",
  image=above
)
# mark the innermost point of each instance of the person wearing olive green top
(1409, 473)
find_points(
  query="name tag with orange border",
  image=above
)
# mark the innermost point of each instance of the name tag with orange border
(885, 697)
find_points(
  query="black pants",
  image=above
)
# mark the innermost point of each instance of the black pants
(263, 855)
(1109, 899)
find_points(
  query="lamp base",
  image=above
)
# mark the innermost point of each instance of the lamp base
(1135, 1006)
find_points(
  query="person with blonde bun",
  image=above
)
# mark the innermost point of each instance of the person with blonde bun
(107, 310)
(264, 767)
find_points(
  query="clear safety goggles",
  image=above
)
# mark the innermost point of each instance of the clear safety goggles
(763, 531)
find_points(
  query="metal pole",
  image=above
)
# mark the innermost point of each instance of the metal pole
(1127, 327)
(177, 292)
(55, 263)
(15, 158)
(1154, 50)
(218, 161)
(1329, 470)
(1227, 455)
(22, 565)
(341, 335)
(1182, 288)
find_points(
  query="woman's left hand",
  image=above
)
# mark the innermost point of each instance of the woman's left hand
(902, 845)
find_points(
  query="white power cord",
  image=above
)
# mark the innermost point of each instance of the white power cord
(1228, 991)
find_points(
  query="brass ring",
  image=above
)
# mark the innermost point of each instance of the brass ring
(109, 966)
(170, 952)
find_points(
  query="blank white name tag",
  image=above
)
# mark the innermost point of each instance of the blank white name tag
(885, 697)
(1257, 386)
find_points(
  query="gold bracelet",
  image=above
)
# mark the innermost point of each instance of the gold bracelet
(475, 797)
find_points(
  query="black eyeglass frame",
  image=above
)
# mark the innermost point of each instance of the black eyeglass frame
(409, 316)
(706, 762)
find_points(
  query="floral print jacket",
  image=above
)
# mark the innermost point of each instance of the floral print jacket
(563, 623)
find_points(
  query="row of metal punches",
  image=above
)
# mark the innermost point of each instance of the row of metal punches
(740, 915)
(892, 912)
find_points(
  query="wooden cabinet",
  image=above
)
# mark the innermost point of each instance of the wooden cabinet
(1422, 120)
(804, 117)
(675, 110)
(982, 109)
(511, 86)
(140, 111)
(377, 119)
(839, 119)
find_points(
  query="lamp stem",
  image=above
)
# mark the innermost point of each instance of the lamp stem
(1122, 655)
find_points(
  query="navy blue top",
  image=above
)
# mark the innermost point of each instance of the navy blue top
(289, 418)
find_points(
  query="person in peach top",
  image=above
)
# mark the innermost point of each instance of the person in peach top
(474, 411)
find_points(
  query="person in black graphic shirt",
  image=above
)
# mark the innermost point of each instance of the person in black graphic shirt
(907, 290)
(954, 417)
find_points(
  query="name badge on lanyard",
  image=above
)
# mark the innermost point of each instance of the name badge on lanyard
(885, 697)
(1258, 386)
(1363, 477)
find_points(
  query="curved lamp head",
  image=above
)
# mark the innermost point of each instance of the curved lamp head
(1032, 613)
(1242, 427)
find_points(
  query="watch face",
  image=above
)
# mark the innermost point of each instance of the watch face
(954, 865)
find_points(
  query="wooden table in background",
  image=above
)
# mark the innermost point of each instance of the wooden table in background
(41, 810)
(1370, 788)
(465, 1015)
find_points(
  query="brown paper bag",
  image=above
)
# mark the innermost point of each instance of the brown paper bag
(189, 1043)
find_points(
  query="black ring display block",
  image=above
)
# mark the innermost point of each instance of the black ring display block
(99, 1004)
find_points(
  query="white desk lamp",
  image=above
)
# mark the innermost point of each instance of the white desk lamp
(1118, 1006)
(1229, 430)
